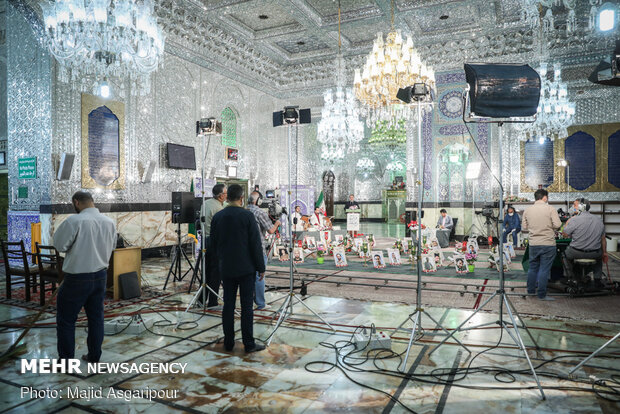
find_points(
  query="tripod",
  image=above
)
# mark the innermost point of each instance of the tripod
(286, 310)
(177, 255)
(511, 327)
(416, 316)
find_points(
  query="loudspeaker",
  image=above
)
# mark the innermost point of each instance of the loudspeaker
(183, 207)
(66, 164)
(278, 119)
(130, 287)
(148, 172)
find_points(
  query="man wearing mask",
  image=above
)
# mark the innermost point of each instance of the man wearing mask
(541, 220)
(264, 226)
(512, 224)
(208, 210)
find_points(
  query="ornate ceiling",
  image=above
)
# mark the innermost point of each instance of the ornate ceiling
(287, 47)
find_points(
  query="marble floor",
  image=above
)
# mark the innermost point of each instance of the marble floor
(310, 368)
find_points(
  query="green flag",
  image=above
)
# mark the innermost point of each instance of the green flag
(320, 203)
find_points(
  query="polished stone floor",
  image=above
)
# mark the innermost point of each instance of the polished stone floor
(279, 379)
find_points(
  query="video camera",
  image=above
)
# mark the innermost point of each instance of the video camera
(564, 216)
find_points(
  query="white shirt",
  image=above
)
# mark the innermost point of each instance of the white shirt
(317, 220)
(300, 223)
(88, 239)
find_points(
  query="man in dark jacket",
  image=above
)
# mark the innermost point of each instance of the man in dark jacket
(238, 247)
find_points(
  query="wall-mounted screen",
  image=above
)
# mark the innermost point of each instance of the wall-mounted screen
(181, 156)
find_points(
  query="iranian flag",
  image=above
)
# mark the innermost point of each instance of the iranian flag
(320, 203)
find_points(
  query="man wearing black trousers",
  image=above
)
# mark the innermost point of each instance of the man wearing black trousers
(238, 247)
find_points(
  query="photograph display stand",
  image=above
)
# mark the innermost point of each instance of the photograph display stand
(416, 315)
(286, 309)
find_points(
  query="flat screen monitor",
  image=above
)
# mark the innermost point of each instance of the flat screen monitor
(270, 194)
(181, 156)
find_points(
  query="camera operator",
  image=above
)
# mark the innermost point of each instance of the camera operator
(207, 211)
(264, 225)
(588, 240)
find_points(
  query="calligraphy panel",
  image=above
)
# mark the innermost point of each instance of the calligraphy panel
(580, 152)
(539, 164)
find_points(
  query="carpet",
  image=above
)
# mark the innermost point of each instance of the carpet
(18, 299)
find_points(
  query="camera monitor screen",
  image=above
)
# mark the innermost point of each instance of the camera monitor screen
(270, 194)
(181, 156)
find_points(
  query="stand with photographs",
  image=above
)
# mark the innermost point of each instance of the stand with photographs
(504, 76)
(416, 315)
(286, 310)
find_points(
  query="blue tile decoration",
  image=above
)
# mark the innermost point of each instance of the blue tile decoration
(613, 160)
(19, 226)
(580, 152)
(302, 195)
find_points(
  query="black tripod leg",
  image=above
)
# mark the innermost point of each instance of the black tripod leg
(196, 271)
(171, 270)
(191, 266)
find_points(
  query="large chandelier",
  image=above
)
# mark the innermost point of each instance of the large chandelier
(340, 130)
(104, 39)
(391, 65)
(389, 135)
(555, 111)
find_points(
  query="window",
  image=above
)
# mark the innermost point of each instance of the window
(229, 128)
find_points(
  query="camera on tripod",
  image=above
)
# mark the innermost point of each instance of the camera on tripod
(564, 216)
(274, 209)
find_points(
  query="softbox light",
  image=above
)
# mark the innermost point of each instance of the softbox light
(502, 90)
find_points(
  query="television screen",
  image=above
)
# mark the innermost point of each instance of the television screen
(181, 156)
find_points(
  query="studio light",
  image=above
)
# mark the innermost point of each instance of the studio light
(562, 163)
(291, 115)
(502, 90)
(208, 126)
(607, 18)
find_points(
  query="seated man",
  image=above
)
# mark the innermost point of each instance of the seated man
(588, 240)
(444, 227)
(512, 225)
(317, 219)
(298, 223)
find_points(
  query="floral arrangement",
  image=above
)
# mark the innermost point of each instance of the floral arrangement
(515, 199)
(413, 224)
(471, 258)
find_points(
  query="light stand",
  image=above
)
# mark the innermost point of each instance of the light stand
(202, 290)
(511, 327)
(286, 310)
(416, 316)
(564, 164)
(593, 354)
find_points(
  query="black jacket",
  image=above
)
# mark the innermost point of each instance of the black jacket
(237, 243)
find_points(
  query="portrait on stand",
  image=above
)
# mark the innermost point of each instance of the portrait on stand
(339, 257)
(394, 257)
(428, 263)
(377, 259)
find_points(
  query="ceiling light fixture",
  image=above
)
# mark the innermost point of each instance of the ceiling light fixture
(391, 65)
(340, 130)
(104, 39)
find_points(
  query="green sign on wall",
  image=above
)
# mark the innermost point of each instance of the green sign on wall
(27, 168)
(22, 192)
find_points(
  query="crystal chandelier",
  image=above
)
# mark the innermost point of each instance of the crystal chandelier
(391, 65)
(104, 39)
(389, 135)
(533, 10)
(395, 166)
(555, 111)
(365, 164)
(340, 129)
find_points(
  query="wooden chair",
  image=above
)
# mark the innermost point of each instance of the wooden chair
(50, 269)
(16, 252)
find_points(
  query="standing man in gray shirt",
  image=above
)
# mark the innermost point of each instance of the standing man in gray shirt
(208, 210)
(588, 239)
(88, 239)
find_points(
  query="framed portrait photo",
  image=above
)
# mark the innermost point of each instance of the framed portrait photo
(232, 154)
